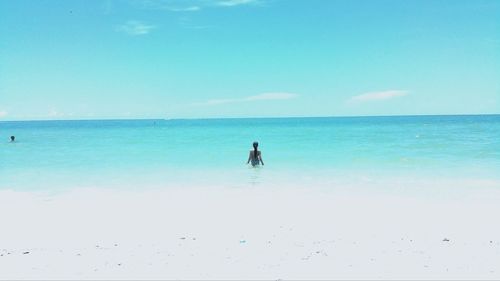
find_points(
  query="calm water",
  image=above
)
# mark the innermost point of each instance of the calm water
(160, 153)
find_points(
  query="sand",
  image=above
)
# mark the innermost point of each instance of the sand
(250, 233)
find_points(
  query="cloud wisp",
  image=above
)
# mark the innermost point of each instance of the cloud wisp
(135, 28)
(378, 96)
(232, 3)
(260, 97)
(3, 113)
(184, 9)
(193, 5)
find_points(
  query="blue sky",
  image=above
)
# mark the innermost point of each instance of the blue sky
(247, 58)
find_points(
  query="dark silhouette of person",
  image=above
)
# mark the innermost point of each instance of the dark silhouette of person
(12, 138)
(255, 156)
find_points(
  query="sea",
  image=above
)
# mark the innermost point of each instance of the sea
(331, 152)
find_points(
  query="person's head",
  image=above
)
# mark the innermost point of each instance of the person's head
(255, 144)
(12, 138)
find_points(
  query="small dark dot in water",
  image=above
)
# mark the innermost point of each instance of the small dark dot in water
(119, 264)
(116, 245)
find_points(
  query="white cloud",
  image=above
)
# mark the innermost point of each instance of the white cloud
(3, 113)
(376, 96)
(192, 5)
(184, 9)
(135, 28)
(259, 97)
(231, 3)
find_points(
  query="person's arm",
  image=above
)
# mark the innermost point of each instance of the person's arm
(249, 157)
(260, 158)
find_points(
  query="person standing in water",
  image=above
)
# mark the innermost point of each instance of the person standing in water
(255, 156)
(12, 138)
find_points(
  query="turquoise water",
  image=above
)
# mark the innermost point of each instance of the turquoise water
(161, 153)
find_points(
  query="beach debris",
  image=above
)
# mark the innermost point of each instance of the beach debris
(446, 240)
(25, 253)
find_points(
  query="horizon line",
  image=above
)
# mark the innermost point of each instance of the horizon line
(269, 117)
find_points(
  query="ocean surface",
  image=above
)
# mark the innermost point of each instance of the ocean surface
(139, 154)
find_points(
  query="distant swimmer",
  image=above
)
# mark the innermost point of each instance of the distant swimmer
(12, 138)
(255, 156)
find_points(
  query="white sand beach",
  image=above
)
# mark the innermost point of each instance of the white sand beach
(259, 233)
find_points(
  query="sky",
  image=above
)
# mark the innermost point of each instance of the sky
(80, 59)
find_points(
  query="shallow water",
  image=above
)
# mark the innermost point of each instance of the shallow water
(50, 155)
